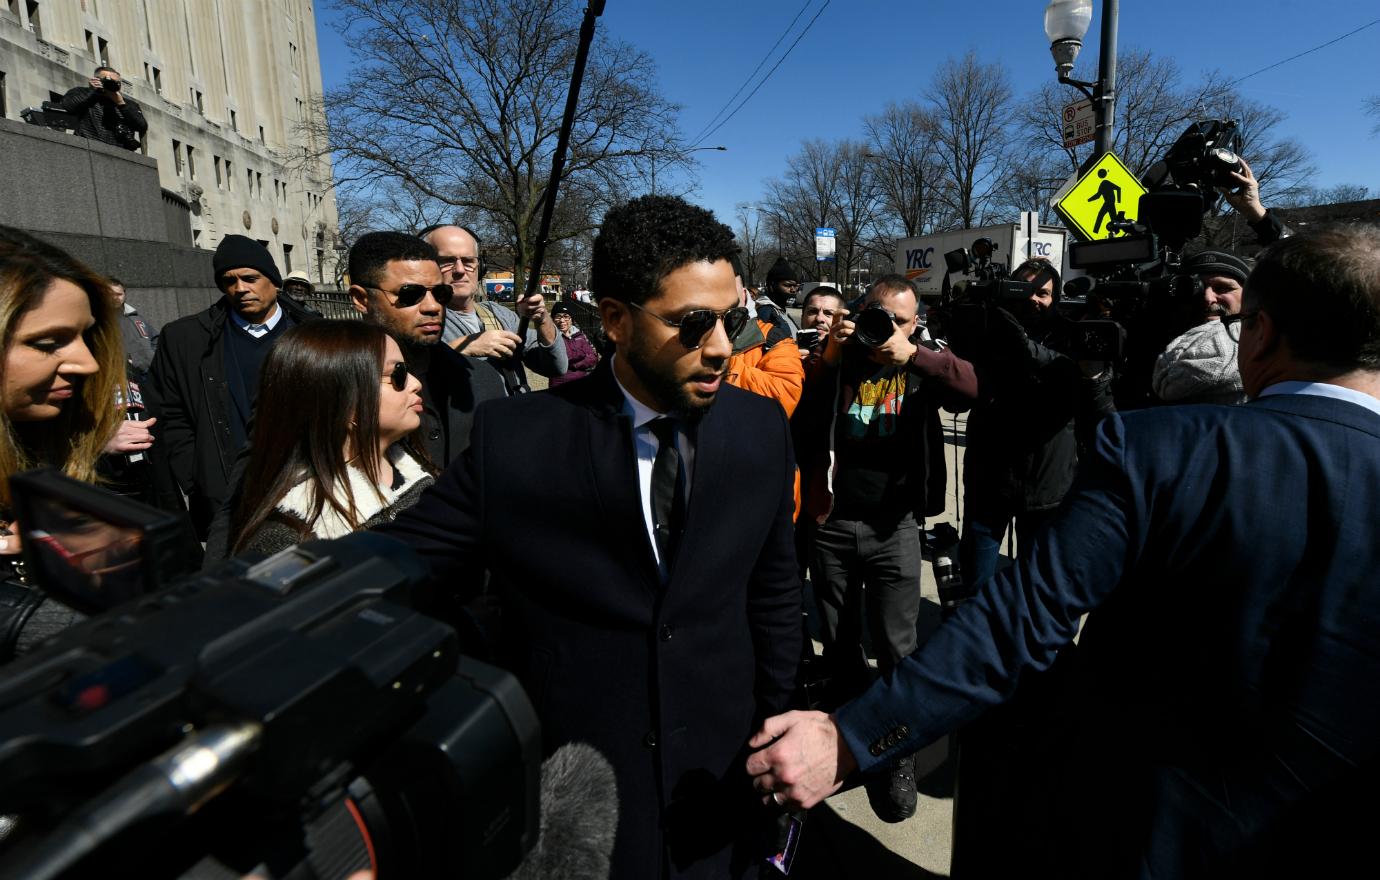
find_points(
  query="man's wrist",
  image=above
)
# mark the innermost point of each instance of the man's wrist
(848, 764)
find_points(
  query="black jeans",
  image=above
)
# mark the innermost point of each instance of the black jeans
(857, 566)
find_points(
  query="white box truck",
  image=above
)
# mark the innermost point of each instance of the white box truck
(922, 259)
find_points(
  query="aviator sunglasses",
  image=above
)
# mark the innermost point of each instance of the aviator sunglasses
(695, 325)
(409, 295)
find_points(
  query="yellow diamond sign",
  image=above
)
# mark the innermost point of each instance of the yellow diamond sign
(1107, 193)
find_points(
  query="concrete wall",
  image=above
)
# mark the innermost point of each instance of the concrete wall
(226, 86)
(104, 205)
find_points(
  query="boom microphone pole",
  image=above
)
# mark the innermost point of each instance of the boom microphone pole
(572, 99)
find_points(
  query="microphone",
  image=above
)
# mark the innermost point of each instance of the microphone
(579, 817)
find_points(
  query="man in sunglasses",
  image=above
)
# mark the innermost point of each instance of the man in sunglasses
(681, 623)
(872, 469)
(205, 374)
(397, 284)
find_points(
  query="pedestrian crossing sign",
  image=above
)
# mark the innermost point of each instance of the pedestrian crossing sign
(1108, 192)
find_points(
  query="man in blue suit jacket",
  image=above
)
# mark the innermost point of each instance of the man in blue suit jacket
(1231, 724)
(660, 629)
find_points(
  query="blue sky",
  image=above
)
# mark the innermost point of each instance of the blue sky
(860, 54)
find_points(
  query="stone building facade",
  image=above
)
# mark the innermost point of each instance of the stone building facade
(226, 87)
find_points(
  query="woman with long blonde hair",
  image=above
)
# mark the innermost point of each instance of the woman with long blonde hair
(61, 362)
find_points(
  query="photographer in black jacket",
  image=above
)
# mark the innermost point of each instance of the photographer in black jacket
(104, 114)
(1022, 452)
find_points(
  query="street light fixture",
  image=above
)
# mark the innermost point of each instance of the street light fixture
(680, 153)
(1066, 21)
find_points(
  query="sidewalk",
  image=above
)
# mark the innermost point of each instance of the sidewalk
(843, 839)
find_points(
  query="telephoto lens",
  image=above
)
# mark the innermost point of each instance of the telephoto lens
(874, 326)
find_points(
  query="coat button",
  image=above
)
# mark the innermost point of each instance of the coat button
(435, 435)
(650, 739)
(876, 750)
(666, 633)
(903, 731)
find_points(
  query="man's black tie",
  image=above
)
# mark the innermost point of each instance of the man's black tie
(668, 495)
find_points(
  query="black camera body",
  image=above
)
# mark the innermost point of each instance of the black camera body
(111, 85)
(314, 682)
(874, 325)
(1136, 279)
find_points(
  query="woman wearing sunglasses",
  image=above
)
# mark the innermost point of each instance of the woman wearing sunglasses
(320, 469)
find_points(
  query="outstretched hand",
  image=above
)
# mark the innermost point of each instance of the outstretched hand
(804, 760)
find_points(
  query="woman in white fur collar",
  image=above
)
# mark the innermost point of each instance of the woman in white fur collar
(335, 407)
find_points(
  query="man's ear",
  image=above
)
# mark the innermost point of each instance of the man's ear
(617, 319)
(359, 297)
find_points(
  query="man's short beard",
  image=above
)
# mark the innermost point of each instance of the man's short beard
(417, 354)
(668, 392)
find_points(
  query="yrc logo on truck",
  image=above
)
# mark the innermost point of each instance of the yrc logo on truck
(1042, 248)
(918, 262)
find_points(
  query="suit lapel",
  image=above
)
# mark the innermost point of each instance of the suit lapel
(613, 461)
(711, 454)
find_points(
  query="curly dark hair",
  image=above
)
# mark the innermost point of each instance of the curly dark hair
(373, 251)
(647, 239)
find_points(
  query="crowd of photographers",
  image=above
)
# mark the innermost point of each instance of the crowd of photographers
(269, 426)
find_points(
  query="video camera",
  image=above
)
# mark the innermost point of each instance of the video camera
(991, 282)
(1136, 277)
(295, 713)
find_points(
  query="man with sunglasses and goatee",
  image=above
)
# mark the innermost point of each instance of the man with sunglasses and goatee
(205, 373)
(396, 283)
(664, 620)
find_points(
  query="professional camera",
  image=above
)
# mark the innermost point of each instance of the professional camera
(991, 282)
(295, 713)
(1202, 159)
(1136, 278)
(110, 85)
(874, 325)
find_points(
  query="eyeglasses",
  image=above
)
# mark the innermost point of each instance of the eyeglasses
(397, 377)
(699, 323)
(470, 263)
(1230, 320)
(410, 294)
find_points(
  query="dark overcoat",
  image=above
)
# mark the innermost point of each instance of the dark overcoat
(192, 401)
(668, 682)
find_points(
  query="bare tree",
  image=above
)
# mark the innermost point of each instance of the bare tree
(1281, 165)
(1334, 195)
(970, 108)
(749, 234)
(902, 144)
(1153, 108)
(462, 100)
(855, 217)
(808, 196)
(1371, 107)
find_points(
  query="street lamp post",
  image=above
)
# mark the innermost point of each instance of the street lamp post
(680, 153)
(1066, 21)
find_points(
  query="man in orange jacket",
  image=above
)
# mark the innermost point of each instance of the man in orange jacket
(766, 361)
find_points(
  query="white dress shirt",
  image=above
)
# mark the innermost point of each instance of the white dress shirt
(1323, 389)
(646, 444)
(258, 331)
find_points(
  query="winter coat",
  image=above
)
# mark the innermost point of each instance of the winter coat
(768, 364)
(288, 525)
(581, 358)
(191, 398)
(98, 119)
(1021, 447)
